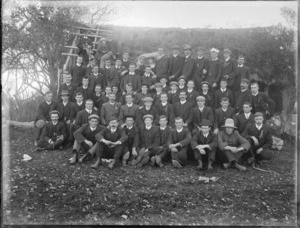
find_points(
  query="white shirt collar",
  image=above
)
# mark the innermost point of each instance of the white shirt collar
(205, 135)
(180, 130)
(96, 74)
(129, 105)
(224, 109)
(243, 90)
(93, 129)
(205, 93)
(255, 94)
(247, 115)
(131, 73)
(190, 90)
(187, 56)
(111, 103)
(200, 57)
(175, 56)
(68, 84)
(65, 103)
(129, 128)
(113, 131)
(49, 103)
(215, 59)
(258, 127)
(54, 123)
(147, 75)
(182, 102)
(164, 103)
(79, 104)
(148, 128)
(89, 111)
(201, 109)
(227, 59)
(241, 65)
(78, 65)
(163, 128)
(223, 90)
(84, 87)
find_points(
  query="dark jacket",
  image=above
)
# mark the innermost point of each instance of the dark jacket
(175, 67)
(85, 133)
(75, 108)
(64, 111)
(86, 93)
(162, 66)
(149, 138)
(209, 99)
(108, 110)
(52, 132)
(221, 116)
(198, 116)
(164, 135)
(99, 80)
(241, 98)
(128, 111)
(118, 135)
(77, 72)
(188, 68)
(262, 103)
(185, 111)
(184, 137)
(264, 135)
(133, 137)
(241, 121)
(199, 139)
(201, 64)
(82, 117)
(168, 111)
(214, 71)
(142, 112)
(219, 95)
(230, 69)
(44, 110)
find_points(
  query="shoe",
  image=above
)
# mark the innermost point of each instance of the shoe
(134, 162)
(200, 166)
(240, 167)
(74, 158)
(97, 163)
(143, 162)
(209, 167)
(81, 160)
(112, 164)
(39, 149)
(152, 161)
(250, 161)
(176, 164)
(124, 163)
(226, 165)
(158, 162)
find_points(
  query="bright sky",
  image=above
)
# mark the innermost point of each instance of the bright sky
(200, 14)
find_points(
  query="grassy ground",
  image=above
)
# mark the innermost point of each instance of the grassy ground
(47, 190)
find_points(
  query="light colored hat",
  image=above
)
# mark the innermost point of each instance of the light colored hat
(229, 123)
(64, 93)
(245, 80)
(148, 116)
(158, 84)
(258, 114)
(94, 116)
(103, 39)
(227, 51)
(173, 83)
(205, 82)
(54, 112)
(200, 98)
(181, 77)
(148, 99)
(214, 50)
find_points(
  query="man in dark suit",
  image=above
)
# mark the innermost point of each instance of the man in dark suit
(116, 73)
(149, 140)
(107, 72)
(245, 118)
(139, 97)
(243, 72)
(43, 115)
(223, 113)
(78, 71)
(53, 134)
(158, 92)
(131, 145)
(125, 60)
(208, 94)
(147, 109)
(76, 106)
(162, 63)
(163, 80)
(129, 109)
(229, 71)
(87, 93)
(178, 142)
(223, 92)
(98, 98)
(176, 64)
(162, 150)
(109, 109)
(204, 144)
(96, 78)
(68, 86)
(181, 83)
(215, 67)
(166, 109)
(200, 113)
(82, 116)
(111, 141)
(191, 93)
(242, 96)
(184, 109)
(147, 79)
(189, 63)
(260, 137)
(85, 139)
(261, 102)
(173, 93)
(131, 78)
(201, 68)
(64, 109)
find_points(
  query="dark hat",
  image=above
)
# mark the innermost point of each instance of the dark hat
(200, 48)
(164, 76)
(258, 114)
(54, 112)
(187, 47)
(148, 99)
(205, 82)
(158, 84)
(147, 116)
(94, 116)
(64, 93)
(113, 118)
(181, 77)
(227, 51)
(175, 47)
(245, 80)
(78, 93)
(173, 83)
(129, 116)
(206, 122)
(229, 123)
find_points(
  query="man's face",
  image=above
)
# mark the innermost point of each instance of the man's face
(85, 82)
(226, 55)
(107, 63)
(115, 89)
(98, 89)
(150, 61)
(163, 122)
(112, 97)
(223, 84)
(129, 121)
(163, 81)
(244, 85)
(103, 42)
(214, 55)
(128, 88)
(118, 63)
(175, 51)
(158, 89)
(190, 85)
(113, 124)
(144, 89)
(173, 87)
(181, 82)
(54, 118)
(179, 124)
(107, 90)
(93, 122)
(131, 68)
(160, 51)
(254, 88)
(187, 52)
(89, 105)
(148, 121)
(68, 78)
(129, 99)
(65, 98)
(201, 103)
(49, 97)
(164, 98)
(241, 61)
(200, 53)
(92, 63)
(247, 108)
(125, 56)
(79, 60)
(148, 103)
(259, 120)
(95, 70)
(224, 104)
(79, 98)
(204, 87)
(205, 129)
(229, 130)
(182, 96)
(148, 70)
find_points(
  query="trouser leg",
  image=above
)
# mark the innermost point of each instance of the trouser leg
(265, 154)
(180, 156)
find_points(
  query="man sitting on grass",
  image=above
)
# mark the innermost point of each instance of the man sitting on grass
(53, 135)
(232, 146)
(85, 139)
(111, 141)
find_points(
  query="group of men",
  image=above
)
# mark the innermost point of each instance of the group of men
(146, 112)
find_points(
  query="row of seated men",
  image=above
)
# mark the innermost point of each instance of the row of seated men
(147, 143)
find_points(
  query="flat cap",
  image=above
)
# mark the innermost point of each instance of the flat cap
(94, 116)
(54, 112)
(258, 114)
(227, 51)
(113, 118)
(214, 50)
(187, 47)
(245, 80)
(158, 84)
(147, 116)
(103, 39)
(78, 93)
(164, 76)
(206, 122)
(148, 99)
(64, 93)
(200, 48)
(181, 77)
(200, 98)
(205, 82)
(173, 83)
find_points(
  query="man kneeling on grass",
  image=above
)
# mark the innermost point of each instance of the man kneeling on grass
(85, 139)
(204, 144)
(232, 146)
(178, 142)
(111, 142)
(53, 134)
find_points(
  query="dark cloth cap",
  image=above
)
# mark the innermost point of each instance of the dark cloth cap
(206, 122)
